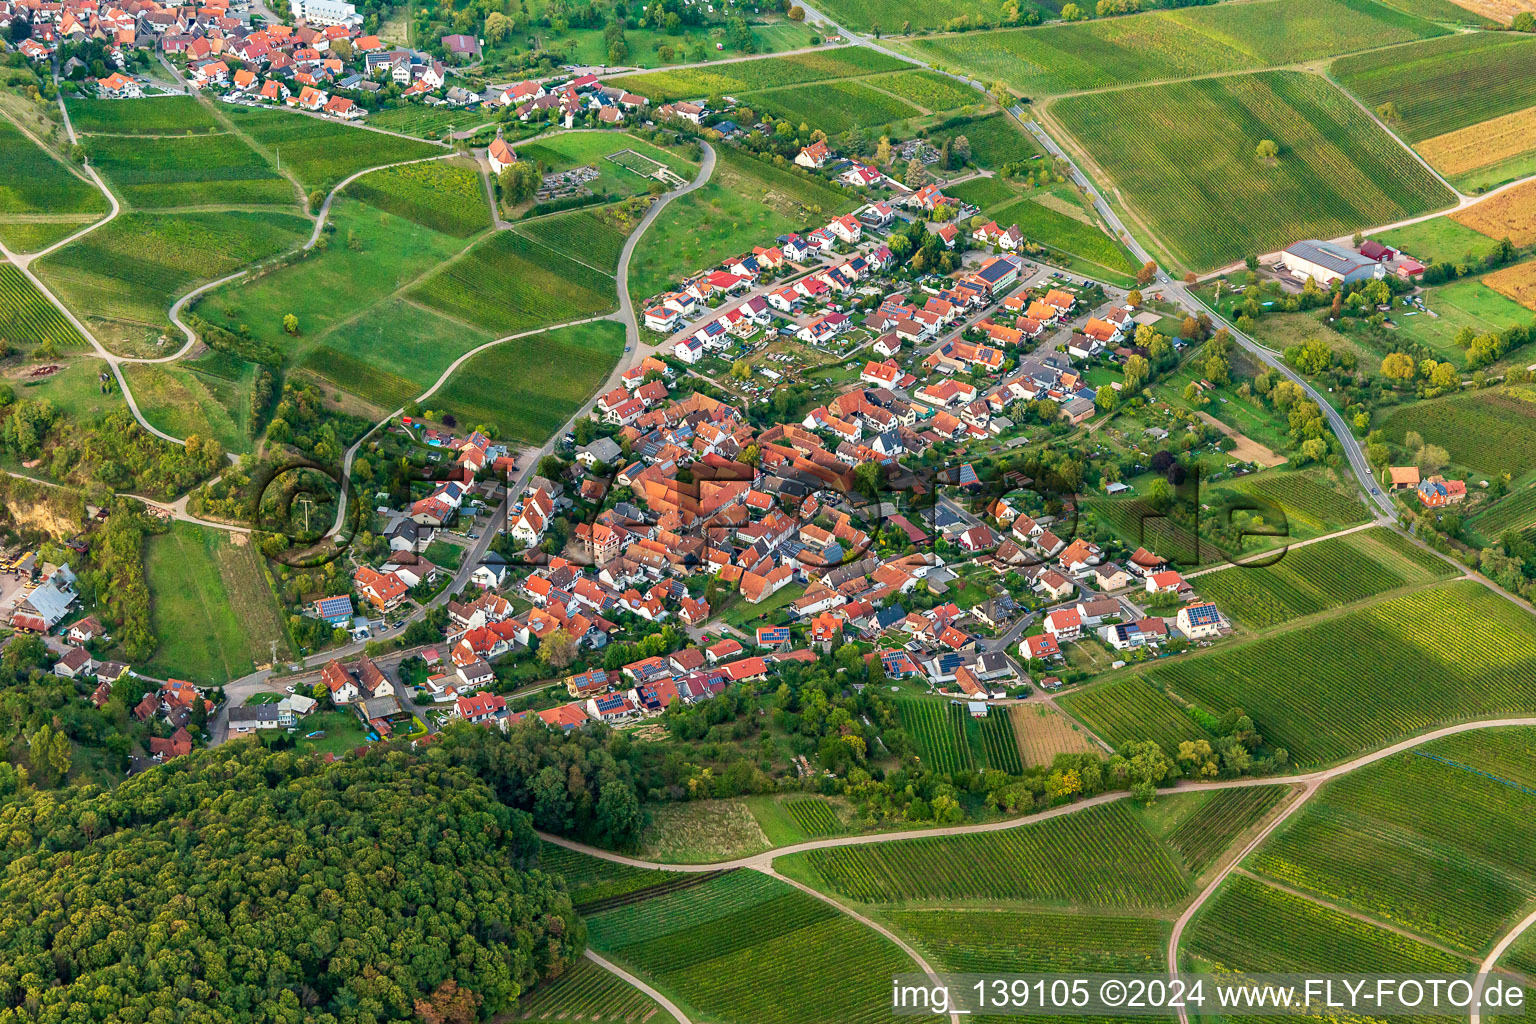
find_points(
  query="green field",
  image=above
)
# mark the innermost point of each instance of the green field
(1517, 512)
(995, 140)
(1443, 84)
(1439, 240)
(928, 90)
(1365, 678)
(1012, 941)
(788, 819)
(446, 196)
(948, 739)
(983, 193)
(589, 879)
(1162, 45)
(814, 816)
(76, 391)
(592, 995)
(890, 16)
(710, 948)
(1316, 577)
(529, 387)
(583, 41)
(343, 733)
(508, 283)
(747, 202)
(580, 234)
(183, 403)
(426, 122)
(1196, 179)
(346, 285)
(26, 236)
(1249, 926)
(833, 107)
(937, 729)
(195, 170)
(1464, 424)
(1304, 499)
(1128, 709)
(28, 320)
(1464, 303)
(999, 745)
(158, 115)
(32, 181)
(1057, 230)
(1211, 828)
(210, 606)
(125, 275)
(1100, 857)
(745, 76)
(1138, 524)
(322, 153)
(578, 149)
(390, 353)
(1426, 845)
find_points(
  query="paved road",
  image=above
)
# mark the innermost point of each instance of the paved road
(666, 1003)
(1184, 297)
(237, 691)
(625, 314)
(760, 861)
(256, 682)
(1492, 959)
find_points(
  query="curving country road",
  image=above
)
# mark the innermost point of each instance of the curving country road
(1307, 785)
(314, 239)
(621, 973)
(1375, 498)
(1491, 961)
(1310, 780)
(238, 690)
(625, 313)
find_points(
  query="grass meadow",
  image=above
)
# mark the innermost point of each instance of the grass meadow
(125, 276)
(209, 605)
(1197, 181)
(528, 388)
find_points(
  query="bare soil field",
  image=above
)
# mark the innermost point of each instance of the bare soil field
(1247, 448)
(1043, 732)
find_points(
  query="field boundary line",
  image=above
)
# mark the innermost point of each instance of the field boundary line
(1313, 779)
(40, 144)
(745, 58)
(314, 239)
(1350, 912)
(874, 926)
(1368, 112)
(1491, 961)
(260, 150)
(1290, 626)
(516, 230)
(625, 976)
(1357, 528)
(406, 300)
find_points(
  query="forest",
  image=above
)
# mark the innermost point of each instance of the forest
(243, 885)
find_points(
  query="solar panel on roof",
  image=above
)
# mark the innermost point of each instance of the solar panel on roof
(1203, 615)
